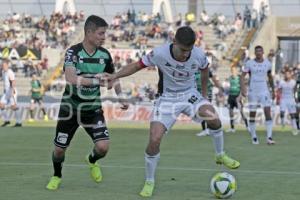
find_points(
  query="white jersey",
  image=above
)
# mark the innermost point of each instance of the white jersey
(174, 76)
(258, 73)
(287, 88)
(7, 77)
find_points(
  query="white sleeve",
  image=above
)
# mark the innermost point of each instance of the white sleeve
(150, 59)
(204, 62)
(11, 75)
(246, 67)
(293, 83)
(280, 84)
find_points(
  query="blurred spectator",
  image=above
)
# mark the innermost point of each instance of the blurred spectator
(247, 18)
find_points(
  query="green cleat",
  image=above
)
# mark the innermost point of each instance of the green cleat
(227, 161)
(54, 183)
(95, 170)
(147, 189)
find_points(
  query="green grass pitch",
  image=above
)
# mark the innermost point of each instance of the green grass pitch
(184, 171)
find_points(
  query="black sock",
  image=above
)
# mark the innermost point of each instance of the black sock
(57, 165)
(31, 114)
(94, 156)
(44, 112)
(297, 122)
(246, 122)
(203, 124)
(231, 123)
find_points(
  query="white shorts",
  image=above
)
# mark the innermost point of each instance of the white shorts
(256, 99)
(288, 104)
(9, 100)
(168, 108)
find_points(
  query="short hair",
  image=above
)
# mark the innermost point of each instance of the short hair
(93, 22)
(185, 36)
(258, 47)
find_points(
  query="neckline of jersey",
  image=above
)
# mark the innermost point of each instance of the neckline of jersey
(87, 52)
(172, 55)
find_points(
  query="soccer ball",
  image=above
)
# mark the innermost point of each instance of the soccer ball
(223, 185)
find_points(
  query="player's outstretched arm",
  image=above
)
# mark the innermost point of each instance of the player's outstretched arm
(123, 101)
(243, 84)
(72, 78)
(128, 70)
(204, 80)
(271, 83)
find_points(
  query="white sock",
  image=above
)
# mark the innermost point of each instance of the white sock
(294, 124)
(252, 128)
(5, 115)
(269, 125)
(218, 140)
(18, 115)
(150, 166)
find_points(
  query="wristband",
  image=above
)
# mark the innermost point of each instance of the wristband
(95, 81)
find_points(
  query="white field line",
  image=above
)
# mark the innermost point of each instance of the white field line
(270, 172)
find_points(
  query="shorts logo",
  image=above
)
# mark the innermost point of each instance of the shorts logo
(97, 134)
(62, 138)
(105, 133)
(99, 124)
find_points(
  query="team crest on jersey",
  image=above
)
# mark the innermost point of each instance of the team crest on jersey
(101, 61)
(74, 58)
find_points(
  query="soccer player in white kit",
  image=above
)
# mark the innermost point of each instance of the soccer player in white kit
(287, 87)
(9, 97)
(259, 70)
(177, 64)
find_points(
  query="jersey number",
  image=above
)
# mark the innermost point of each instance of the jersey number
(193, 99)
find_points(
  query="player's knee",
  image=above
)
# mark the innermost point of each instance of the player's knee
(214, 124)
(155, 140)
(59, 152)
(101, 151)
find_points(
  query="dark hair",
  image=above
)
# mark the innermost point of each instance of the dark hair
(258, 47)
(93, 22)
(185, 36)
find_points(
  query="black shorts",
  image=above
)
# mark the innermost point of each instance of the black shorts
(69, 120)
(232, 101)
(37, 100)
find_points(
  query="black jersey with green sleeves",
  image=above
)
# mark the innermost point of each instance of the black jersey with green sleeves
(36, 85)
(85, 98)
(209, 84)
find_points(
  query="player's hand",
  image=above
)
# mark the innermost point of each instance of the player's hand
(239, 99)
(273, 95)
(124, 103)
(243, 93)
(104, 82)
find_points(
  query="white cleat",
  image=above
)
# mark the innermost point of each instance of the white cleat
(231, 130)
(255, 141)
(295, 132)
(203, 133)
(270, 141)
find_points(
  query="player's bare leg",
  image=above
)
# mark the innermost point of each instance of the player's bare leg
(269, 124)
(99, 151)
(252, 127)
(58, 158)
(152, 156)
(208, 113)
